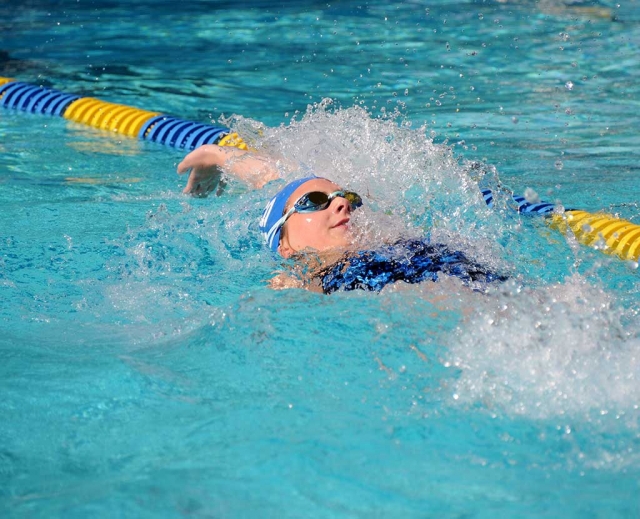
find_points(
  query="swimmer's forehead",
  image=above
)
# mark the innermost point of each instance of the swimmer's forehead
(315, 184)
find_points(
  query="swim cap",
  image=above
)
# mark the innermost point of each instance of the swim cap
(274, 211)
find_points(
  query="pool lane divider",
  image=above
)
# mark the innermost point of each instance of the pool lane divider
(115, 118)
(606, 232)
(602, 231)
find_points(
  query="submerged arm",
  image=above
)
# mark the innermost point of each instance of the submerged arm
(209, 161)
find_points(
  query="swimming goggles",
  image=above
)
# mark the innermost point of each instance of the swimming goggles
(318, 201)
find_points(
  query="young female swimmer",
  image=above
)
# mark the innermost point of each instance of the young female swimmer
(313, 215)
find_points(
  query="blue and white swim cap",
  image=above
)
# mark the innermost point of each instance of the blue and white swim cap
(274, 211)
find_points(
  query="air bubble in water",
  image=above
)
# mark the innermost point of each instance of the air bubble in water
(558, 164)
(569, 85)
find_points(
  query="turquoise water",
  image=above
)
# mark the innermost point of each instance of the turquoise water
(146, 368)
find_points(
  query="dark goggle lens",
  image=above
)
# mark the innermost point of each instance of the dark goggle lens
(317, 200)
(353, 198)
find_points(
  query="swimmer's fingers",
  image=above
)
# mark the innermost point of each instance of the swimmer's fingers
(198, 190)
(203, 167)
(202, 181)
(188, 163)
(183, 168)
(185, 165)
(192, 183)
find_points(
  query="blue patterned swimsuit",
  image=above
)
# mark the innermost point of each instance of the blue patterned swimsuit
(411, 261)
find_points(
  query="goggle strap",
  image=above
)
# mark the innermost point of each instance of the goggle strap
(276, 226)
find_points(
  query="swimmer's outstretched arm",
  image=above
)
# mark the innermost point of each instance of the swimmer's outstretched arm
(209, 161)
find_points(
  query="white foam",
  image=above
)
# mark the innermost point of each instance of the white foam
(561, 350)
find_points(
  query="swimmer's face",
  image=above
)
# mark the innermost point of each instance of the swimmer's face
(321, 230)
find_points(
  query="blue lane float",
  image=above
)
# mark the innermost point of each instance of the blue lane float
(34, 99)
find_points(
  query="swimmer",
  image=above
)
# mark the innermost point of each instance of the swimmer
(310, 221)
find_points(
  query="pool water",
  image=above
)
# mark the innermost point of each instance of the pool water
(147, 369)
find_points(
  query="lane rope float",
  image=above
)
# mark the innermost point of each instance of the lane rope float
(116, 118)
(608, 233)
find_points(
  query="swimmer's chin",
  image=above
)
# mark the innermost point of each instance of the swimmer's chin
(352, 239)
(326, 254)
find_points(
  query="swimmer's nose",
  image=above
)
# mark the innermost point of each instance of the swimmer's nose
(340, 205)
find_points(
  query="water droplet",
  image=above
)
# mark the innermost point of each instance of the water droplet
(531, 196)
(569, 85)
(558, 164)
(586, 228)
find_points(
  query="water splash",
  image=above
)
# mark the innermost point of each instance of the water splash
(412, 185)
(566, 349)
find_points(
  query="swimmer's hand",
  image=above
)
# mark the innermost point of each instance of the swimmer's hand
(209, 161)
(204, 174)
(283, 281)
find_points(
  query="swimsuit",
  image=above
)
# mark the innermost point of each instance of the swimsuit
(412, 261)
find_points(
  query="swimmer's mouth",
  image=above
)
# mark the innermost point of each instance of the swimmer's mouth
(342, 223)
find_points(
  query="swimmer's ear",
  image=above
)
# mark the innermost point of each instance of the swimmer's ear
(284, 249)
